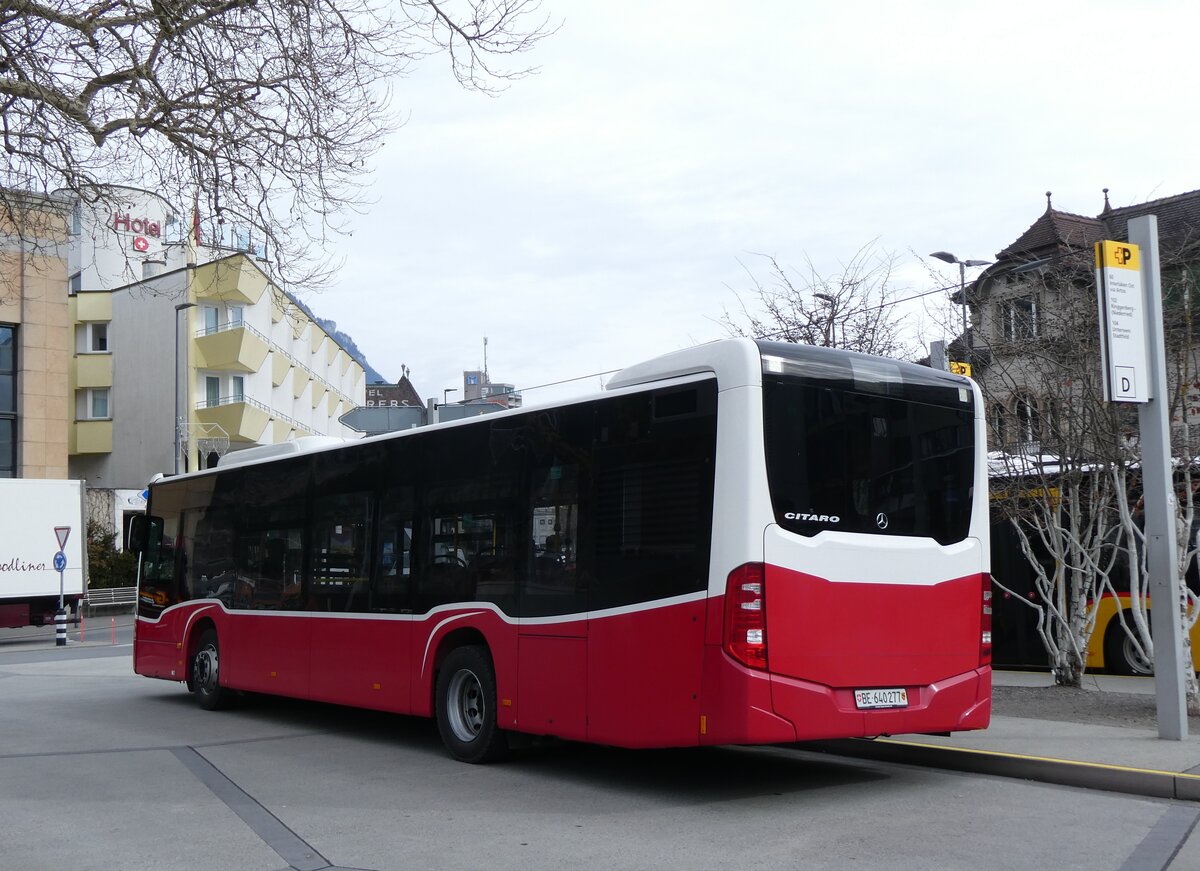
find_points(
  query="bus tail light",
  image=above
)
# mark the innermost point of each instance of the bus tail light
(985, 627)
(746, 615)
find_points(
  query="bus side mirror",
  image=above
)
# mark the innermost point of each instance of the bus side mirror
(140, 526)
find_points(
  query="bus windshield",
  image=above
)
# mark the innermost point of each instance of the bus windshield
(867, 446)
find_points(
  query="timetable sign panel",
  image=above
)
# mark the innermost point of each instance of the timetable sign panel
(1123, 349)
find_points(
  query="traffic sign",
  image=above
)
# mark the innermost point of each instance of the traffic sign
(1124, 353)
(60, 561)
(960, 368)
(378, 419)
(62, 533)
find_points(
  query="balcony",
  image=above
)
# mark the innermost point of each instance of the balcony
(281, 365)
(90, 437)
(243, 418)
(300, 380)
(93, 370)
(233, 346)
(92, 306)
(232, 280)
(282, 431)
(318, 392)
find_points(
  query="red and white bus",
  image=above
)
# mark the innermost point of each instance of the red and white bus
(741, 542)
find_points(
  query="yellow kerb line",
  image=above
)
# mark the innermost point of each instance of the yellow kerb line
(1003, 755)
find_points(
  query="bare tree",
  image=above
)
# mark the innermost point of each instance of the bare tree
(850, 309)
(263, 112)
(1066, 471)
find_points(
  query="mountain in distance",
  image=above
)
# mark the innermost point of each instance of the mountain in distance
(346, 342)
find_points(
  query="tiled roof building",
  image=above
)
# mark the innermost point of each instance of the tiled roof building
(1033, 313)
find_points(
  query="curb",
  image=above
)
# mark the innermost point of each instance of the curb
(1065, 772)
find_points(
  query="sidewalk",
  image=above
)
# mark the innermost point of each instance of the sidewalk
(1104, 736)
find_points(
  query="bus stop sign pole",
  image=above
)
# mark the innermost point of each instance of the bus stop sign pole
(1161, 548)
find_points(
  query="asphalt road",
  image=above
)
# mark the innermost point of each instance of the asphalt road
(102, 769)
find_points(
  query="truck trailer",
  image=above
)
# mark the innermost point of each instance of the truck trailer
(35, 515)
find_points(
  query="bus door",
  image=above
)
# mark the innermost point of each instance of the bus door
(653, 510)
(267, 649)
(552, 643)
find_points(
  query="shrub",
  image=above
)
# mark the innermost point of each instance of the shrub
(107, 566)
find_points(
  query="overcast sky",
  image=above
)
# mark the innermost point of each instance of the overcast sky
(599, 213)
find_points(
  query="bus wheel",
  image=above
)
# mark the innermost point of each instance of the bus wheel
(205, 678)
(1122, 656)
(466, 706)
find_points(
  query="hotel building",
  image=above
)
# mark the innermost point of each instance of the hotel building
(183, 351)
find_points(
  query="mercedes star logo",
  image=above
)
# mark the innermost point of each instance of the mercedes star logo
(881, 520)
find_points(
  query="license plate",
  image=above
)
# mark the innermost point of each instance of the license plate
(897, 698)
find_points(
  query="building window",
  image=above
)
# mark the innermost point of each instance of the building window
(93, 404)
(8, 446)
(75, 283)
(8, 369)
(77, 219)
(212, 391)
(1052, 421)
(236, 315)
(239, 388)
(211, 316)
(98, 337)
(8, 401)
(1029, 425)
(92, 338)
(999, 424)
(1020, 317)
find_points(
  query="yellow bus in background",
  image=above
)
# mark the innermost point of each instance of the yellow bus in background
(1111, 649)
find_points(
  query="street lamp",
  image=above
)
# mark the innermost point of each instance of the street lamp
(830, 326)
(181, 307)
(947, 257)
(446, 394)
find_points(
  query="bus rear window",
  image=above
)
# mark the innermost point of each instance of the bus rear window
(851, 461)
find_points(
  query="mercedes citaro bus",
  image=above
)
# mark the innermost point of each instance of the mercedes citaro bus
(737, 543)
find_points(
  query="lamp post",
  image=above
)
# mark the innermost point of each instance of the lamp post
(947, 257)
(181, 307)
(446, 394)
(830, 326)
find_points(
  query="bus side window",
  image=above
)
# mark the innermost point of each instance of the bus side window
(156, 587)
(341, 553)
(209, 566)
(553, 586)
(268, 569)
(392, 592)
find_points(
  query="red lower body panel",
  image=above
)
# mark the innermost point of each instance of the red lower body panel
(743, 706)
(657, 677)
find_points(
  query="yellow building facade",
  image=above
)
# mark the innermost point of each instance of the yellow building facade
(35, 324)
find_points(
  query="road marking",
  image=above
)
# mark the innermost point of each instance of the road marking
(1160, 846)
(293, 849)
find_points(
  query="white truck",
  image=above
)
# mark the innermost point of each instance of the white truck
(33, 516)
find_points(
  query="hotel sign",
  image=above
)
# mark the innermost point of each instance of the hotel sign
(141, 226)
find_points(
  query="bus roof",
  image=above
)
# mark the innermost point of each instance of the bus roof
(735, 362)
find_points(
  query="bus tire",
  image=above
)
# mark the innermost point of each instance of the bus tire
(1120, 654)
(204, 677)
(466, 706)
